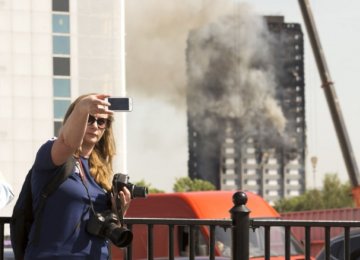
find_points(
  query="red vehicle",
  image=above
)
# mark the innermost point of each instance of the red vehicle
(202, 205)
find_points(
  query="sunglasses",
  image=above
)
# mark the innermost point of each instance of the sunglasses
(101, 122)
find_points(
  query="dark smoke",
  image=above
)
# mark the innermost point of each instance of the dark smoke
(232, 74)
(232, 57)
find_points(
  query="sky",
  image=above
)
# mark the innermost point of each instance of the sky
(156, 33)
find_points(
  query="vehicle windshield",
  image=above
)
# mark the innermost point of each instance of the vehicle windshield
(257, 242)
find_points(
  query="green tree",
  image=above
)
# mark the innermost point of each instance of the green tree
(151, 189)
(333, 195)
(187, 184)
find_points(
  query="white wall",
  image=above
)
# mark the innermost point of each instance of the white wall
(26, 91)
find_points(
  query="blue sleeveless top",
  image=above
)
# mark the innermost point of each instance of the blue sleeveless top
(63, 232)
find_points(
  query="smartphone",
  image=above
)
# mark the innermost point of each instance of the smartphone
(120, 103)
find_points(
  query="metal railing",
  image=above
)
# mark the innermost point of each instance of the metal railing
(307, 225)
(171, 223)
(239, 224)
(3, 221)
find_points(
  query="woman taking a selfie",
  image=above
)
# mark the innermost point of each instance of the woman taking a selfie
(87, 137)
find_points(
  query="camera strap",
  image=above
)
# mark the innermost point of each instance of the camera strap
(118, 210)
(84, 182)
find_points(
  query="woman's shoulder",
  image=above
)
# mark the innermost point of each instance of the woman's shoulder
(47, 145)
(43, 155)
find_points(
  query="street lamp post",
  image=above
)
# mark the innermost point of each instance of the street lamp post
(314, 161)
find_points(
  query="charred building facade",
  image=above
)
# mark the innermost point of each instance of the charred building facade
(246, 105)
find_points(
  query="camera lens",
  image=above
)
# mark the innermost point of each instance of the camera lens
(119, 236)
(139, 192)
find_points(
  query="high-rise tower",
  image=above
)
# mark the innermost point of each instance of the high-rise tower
(246, 106)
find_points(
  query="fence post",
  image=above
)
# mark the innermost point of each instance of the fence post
(240, 227)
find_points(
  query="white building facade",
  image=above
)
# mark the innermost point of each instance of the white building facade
(51, 52)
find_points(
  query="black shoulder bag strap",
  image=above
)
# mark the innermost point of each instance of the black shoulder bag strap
(61, 175)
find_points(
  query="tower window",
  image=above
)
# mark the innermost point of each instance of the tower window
(61, 66)
(60, 5)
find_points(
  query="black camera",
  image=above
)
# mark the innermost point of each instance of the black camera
(107, 225)
(122, 180)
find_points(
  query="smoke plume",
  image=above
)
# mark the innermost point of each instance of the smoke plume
(156, 33)
(217, 54)
(231, 74)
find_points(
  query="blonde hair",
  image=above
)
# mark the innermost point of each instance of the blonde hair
(101, 158)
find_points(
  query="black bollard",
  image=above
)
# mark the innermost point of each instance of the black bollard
(240, 227)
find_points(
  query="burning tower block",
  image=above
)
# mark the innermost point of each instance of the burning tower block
(245, 100)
